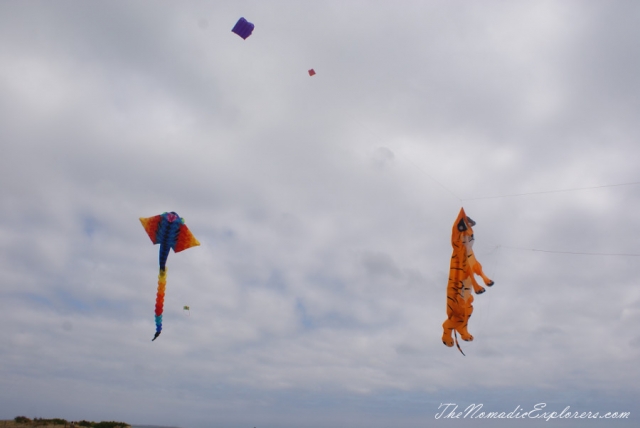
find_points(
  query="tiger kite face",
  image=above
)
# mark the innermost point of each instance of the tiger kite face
(465, 233)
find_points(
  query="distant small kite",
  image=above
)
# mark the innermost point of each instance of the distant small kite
(186, 308)
(243, 28)
(312, 72)
(169, 231)
(463, 266)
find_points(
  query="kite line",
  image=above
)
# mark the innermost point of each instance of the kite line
(575, 189)
(433, 179)
(572, 252)
(553, 191)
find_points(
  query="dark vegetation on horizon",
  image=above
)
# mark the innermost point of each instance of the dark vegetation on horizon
(64, 423)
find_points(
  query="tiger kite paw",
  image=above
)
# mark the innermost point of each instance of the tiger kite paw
(448, 341)
(466, 337)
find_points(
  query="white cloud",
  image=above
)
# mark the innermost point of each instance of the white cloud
(323, 204)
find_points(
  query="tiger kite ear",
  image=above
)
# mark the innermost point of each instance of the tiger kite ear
(471, 222)
(462, 225)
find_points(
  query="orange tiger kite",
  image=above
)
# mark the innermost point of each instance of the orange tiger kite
(461, 277)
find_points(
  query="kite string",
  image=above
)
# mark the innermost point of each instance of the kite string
(433, 179)
(461, 200)
(572, 252)
(520, 194)
(372, 133)
(553, 191)
(495, 250)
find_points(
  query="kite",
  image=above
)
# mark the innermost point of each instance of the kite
(169, 231)
(461, 278)
(186, 308)
(312, 72)
(243, 28)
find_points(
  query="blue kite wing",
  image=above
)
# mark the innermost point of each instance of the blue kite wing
(243, 28)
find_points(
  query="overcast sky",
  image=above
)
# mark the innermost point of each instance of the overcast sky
(323, 206)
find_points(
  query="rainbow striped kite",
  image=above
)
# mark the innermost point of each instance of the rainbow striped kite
(169, 231)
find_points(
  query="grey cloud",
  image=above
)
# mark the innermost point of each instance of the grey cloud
(323, 205)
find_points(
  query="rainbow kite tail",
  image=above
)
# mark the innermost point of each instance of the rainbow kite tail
(162, 285)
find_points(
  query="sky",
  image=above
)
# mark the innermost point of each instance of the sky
(324, 208)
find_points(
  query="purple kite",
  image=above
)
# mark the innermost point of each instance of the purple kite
(243, 28)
